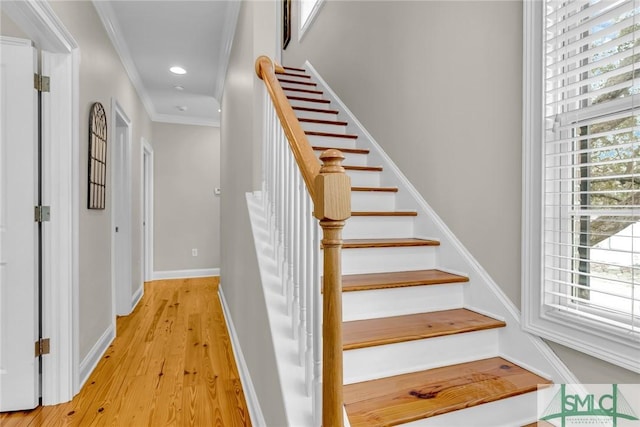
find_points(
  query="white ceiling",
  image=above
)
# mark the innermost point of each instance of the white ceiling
(151, 36)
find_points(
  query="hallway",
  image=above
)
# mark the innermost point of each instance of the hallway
(171, 364)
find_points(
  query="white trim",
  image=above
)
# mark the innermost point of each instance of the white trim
(147, 207)
(184, 120)
(110, 22)
(533, 319)
(92, 358)
(111, 26)
(302, 29)
(137, 296)
(185, 274)
(121, 292)
(229, 30)
(255, 411)
(60, 369)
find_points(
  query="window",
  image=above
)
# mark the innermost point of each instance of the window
(308, 11)
(581, 251)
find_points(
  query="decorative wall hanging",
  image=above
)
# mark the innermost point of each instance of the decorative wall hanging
(286, 23)
(97, 157)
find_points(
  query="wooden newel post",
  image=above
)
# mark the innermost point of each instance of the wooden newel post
(332, 207)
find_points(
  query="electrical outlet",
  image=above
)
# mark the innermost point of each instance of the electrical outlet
(194, 252)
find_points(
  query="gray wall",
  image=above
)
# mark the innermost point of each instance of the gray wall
(186, 211)
(439, 85)
(240, 173)
(102, 77)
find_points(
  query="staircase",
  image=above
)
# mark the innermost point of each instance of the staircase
(428, 338)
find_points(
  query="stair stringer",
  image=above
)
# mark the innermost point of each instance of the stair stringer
(483, 294)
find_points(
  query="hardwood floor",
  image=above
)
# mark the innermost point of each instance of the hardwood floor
(171, 365)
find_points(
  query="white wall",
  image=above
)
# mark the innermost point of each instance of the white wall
(439, 85)
(240, 173)
(186, 210)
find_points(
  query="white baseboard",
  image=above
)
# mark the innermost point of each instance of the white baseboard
(137, 297)
(255, 412)
(185, 274)
(92, 358)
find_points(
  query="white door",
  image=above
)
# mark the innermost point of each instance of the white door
(19, 380)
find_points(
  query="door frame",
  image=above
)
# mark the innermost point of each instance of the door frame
(61, 182)
(147, 210)
(121, 291)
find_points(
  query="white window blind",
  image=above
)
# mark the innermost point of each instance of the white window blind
(591, 165)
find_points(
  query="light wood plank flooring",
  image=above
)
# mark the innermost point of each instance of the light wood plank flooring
(171, 365)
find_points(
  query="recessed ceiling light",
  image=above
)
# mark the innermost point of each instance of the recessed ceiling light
(178, 87)
(219, 110)
(181, 107)
(178, 70)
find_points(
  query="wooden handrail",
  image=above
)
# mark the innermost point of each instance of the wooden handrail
(330, 190)
(302, 151)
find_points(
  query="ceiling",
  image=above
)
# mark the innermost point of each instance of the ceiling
(151, 36)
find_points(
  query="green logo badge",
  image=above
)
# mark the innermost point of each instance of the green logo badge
(604, 406)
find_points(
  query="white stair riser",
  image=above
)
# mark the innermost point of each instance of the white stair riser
(514, 411)
(300, 94)
(309, 104)
(325, 141)
(321, 127)
(380, 260)
(315, 115)
(359, 305)
(375, 227)
(351, 158)
(364, 178)
(373, 201)
(370, 363)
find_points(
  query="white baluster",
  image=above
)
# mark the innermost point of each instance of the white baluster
(302, 274)
(295, 251)
(317, 329)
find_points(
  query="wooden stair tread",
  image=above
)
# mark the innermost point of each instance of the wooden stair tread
(323, 122)
(363, 168)
(376, 189)
(387, 243)
(295, 89)
(302, 70)
(314, 110)
(305, 99)
(297, 82)
(295, 75)
(389, 330)
(384, 213)
(398, 279)
(345, 150)
(409, 397)
(331, 134)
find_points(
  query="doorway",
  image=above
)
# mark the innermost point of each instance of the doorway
(121, 205)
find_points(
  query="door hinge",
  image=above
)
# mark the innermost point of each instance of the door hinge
(42, 346)
(41, 83)
(42, 213)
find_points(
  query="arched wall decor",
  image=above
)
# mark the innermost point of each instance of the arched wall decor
(97, 157)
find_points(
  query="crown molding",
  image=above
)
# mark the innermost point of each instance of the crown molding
(111, 26)
(39, 20)
(185, 120)
(229, 30)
